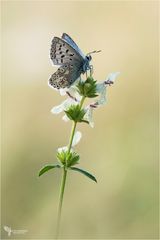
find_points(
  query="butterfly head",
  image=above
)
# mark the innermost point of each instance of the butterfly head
(88, 58)
(86, 65)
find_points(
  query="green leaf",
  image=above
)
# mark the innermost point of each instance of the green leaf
(87, 174)
(47, 168)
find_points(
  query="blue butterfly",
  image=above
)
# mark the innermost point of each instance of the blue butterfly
(65, 52)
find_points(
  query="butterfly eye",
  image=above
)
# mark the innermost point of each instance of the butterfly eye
(88, 57)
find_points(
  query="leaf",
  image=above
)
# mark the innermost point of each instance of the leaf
(47, 168)
(87, 174)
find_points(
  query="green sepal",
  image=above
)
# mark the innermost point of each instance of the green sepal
(46, 168)
(87, 174)
(68, 159)
(61, 156)
(87, 88)
(75, 113)
(73, 160)
(85, 121)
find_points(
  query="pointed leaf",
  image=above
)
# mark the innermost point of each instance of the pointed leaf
(47, 168)
(84, 172)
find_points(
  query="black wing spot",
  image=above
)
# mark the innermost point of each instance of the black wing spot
(71, 55)
(67, 50)
(61, 70)
(62, 56)
(70, 59)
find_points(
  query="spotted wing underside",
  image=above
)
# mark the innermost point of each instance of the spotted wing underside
(61, 52)
(64, 76)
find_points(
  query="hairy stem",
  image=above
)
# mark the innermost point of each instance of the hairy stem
(65, 175)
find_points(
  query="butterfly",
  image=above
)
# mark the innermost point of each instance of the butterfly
(65, 53)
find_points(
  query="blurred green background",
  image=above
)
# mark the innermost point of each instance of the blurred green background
(122, 149)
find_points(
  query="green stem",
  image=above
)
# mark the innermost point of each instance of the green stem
(74, 127)
(82, 101)
(65, 174)
(71, 137)
(61, 201)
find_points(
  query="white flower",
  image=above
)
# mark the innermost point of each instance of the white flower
(73, 99)
(71, 91)
(65, 118)
(63, 106)
(101, 90)
(89, 115)
(76, 140)
(112, 77)
(62, 149)
(101, 87)
(63, 91)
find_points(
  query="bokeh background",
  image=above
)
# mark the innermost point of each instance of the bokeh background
(122, 149)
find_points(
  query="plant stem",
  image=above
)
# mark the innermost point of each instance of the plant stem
(61, 201)
(74, 127)
(82, 101)
(71, 137)
(65, 175)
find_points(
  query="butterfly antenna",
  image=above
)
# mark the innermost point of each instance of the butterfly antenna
(94, 52)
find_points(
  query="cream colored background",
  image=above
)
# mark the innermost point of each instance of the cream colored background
(122, 149)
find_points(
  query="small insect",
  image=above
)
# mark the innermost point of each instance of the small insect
(65, 53)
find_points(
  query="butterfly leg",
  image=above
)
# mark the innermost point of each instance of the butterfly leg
(86, 75)
(91, 70)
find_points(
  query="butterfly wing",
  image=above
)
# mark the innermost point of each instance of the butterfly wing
(61, 53)
(70, 41)
(65, 76)
(65, 52)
